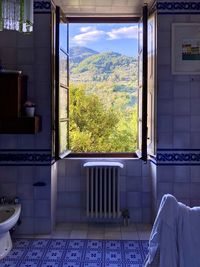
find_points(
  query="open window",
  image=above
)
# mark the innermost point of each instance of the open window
(62, 85)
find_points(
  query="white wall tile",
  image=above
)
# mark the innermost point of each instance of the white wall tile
(25, 191)
(182, 174)
(134, 168)
(181, 140)
(134, 184)
(165, 123)
(42, 208)
(181, 107)
(165, 90)
(195, 191)
(195, 174)
(195, 123)
(181, 123)
(195, 104)
(134, 199)
(182, 190)
(165, 140)
(181, 89)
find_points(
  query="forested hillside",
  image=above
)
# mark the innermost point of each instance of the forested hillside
(103, 97)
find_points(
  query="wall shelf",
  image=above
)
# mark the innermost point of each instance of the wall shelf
(21, 125)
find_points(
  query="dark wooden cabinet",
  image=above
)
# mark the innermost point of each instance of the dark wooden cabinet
(13, 95)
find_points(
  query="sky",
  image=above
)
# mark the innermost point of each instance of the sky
(116, 37)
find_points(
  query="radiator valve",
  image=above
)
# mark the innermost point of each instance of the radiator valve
(126, 217)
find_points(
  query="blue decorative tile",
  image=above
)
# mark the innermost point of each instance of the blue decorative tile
(50, 264)
(22, 243)
(43, 243)
(133, 257)
(70, 264)
(76, 244)
(54, 254)
(16, 254)
(94, 244)
(28, 263)
(75, 253)
(8, 263)
(58, 244)
(131, 245)
(112, 244)
(92, 264)
(34, 254)
(94, 255)
(113, 256)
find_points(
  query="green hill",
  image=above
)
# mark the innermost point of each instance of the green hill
(87, 65)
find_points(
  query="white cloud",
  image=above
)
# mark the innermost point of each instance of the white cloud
(87, 29)
(87, 36)
(123, 32)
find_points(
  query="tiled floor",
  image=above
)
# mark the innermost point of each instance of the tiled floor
(76, 253)
(100, 231)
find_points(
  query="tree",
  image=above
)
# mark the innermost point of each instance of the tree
(99, 127)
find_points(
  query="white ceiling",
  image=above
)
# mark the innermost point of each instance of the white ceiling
(101, 8)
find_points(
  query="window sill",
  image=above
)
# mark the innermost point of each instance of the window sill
(102, 155)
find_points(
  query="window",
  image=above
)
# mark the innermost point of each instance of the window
(103, 85)
(86, 97)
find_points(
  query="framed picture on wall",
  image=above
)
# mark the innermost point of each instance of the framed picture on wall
(185, 48)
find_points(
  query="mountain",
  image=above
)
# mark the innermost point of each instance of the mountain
(78, 53)
(87, 65)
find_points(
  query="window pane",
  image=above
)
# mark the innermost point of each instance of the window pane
(63, 103)
(63, 36)
(63, 68)
(103, 86)
(62, 136)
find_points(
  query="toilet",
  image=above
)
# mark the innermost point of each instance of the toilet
(9, 215)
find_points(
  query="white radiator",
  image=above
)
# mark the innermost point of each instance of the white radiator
(103, 196)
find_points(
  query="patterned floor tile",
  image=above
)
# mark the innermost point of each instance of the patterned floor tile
(94, 244)
(76, 244)
(73, 255)
(113, 244)
(76, 253)
(8, 263)
(29, 263)
(94, 256)
(113, 257)
(43, 243)
(58, 244)
(34, 254)
(70, 264)
(54, 254)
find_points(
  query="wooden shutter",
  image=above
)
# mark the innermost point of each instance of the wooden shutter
(62, 85)
(151, 97)
(142, 82)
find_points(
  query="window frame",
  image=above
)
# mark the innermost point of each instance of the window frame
(134, 154)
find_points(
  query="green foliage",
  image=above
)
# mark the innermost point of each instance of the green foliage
(95, 127)
(87, 65)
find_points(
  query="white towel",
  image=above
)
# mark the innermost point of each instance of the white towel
(175, 236)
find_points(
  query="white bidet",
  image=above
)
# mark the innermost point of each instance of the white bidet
(9, 215)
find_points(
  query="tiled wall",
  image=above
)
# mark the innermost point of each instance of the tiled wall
(178, 113)
(35, 201)
(135, 190)
(31, 53)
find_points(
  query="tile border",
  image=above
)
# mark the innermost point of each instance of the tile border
(43, 7)
(186, 157)
(178, 8)
(25, 157)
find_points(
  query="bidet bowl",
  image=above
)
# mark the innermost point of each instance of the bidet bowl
(9, 215)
